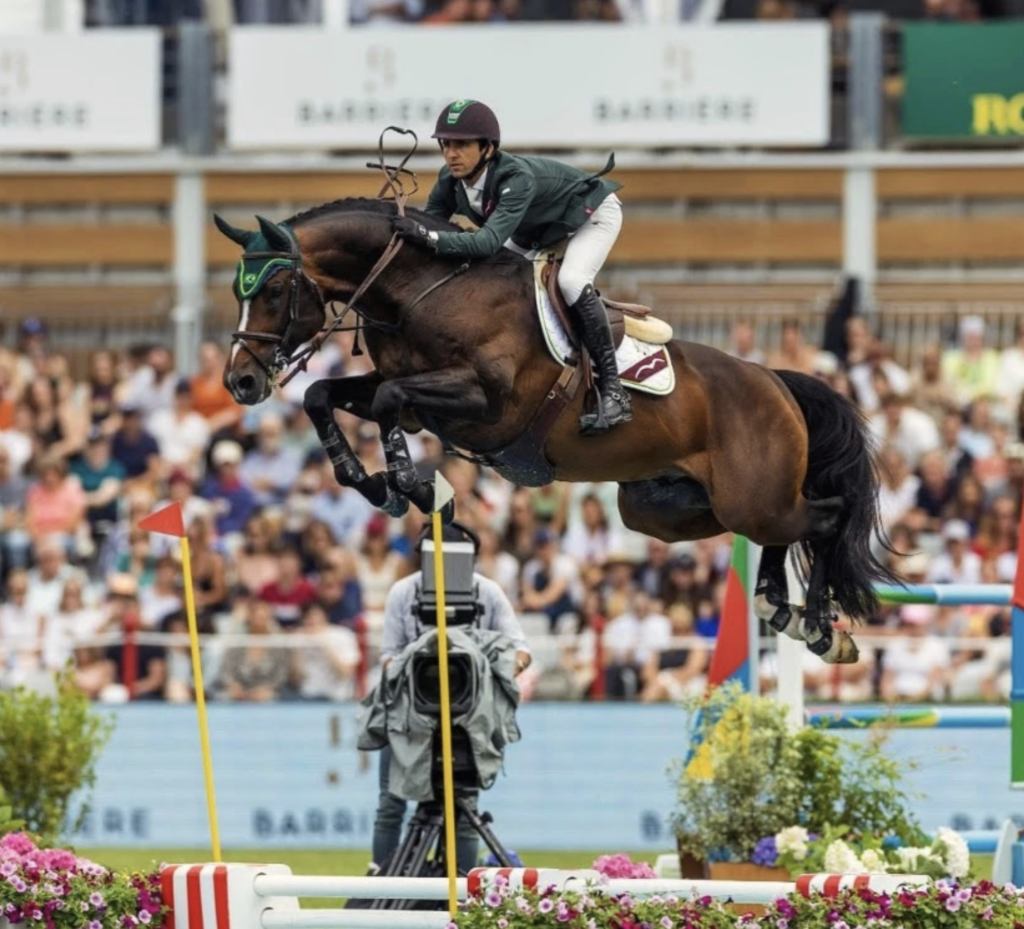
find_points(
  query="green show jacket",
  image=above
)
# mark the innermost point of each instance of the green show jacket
(534, 201)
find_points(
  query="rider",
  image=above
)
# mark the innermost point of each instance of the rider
(527, 203)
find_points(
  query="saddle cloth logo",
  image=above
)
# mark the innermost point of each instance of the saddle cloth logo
(642, 366)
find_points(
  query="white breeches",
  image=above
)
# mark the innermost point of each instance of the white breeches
(589, 247)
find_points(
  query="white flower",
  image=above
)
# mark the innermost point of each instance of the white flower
(792, 841)
(841, 859)
(874, 862)
(958, 858)
(912, 859)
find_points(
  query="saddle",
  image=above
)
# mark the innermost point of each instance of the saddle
(624, 318)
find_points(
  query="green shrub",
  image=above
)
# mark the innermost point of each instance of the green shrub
(49, 746)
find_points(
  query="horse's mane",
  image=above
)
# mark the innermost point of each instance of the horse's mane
(386, 208)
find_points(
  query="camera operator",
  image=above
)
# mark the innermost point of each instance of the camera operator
(403, 626)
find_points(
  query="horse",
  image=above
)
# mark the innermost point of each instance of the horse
(776, 456)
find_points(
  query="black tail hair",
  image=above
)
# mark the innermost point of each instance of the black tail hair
(841, 463)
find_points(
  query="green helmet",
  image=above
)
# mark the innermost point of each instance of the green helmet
(468, 119)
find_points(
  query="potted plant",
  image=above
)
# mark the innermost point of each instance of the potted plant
(750, 777)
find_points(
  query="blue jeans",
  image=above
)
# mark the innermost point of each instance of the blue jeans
(387, 828)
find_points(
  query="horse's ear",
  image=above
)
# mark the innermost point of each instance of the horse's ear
(242, 236)
(275, 235)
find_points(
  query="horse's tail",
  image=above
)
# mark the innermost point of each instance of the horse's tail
(840, 463)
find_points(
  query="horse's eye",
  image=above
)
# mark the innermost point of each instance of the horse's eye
(276, 290)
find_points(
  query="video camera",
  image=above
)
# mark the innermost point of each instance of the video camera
(459, 547)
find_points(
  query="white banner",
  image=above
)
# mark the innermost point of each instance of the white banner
(94, 91)
(552, 86)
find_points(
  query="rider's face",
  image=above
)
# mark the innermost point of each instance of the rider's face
(462, 156)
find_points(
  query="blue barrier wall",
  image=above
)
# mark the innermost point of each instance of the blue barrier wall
(584, 777)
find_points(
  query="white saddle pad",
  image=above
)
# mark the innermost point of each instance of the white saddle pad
(642, 366)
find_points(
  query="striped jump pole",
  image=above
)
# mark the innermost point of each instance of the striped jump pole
(222, 896)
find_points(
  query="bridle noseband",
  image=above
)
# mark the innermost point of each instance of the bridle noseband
(282, 356)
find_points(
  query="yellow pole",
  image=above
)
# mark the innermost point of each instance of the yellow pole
(446, 721)
(197, 676)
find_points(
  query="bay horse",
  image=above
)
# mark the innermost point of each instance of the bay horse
(776, 456)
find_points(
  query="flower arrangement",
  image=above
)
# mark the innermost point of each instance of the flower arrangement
(54, 888)
(621, 866)
(751, 776)
(946, 904)
(840, 850)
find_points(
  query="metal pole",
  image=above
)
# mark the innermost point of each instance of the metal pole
(195, 88)
(865, 132)
(189, 267)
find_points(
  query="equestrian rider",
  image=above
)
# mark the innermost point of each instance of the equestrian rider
(528, 203)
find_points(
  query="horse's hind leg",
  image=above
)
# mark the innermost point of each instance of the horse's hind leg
(771, 593)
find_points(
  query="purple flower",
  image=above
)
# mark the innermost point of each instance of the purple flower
(145, 917)
(545, 906)
(18, 884)
(95, 924)
(36, 914)
(96, 899)
(493, 898)
(666, 921)
(986, 913)
(953, 904)
(7, 868)
(766, 853)
(502, 924)
(84, 906)
(782, 924)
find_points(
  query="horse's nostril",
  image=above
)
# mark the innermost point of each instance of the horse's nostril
(246, 384)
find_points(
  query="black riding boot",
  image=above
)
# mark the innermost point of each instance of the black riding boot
(613, 404)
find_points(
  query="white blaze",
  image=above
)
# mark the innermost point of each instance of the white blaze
(242, 326)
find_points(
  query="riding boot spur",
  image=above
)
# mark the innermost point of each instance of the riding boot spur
(613, 403)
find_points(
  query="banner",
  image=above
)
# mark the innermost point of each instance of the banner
(93, 91)
(553, 86)
(964, 81)
(590, 776)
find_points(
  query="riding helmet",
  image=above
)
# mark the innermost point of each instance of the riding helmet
(468, 119)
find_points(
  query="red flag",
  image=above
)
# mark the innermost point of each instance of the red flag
(167, 521)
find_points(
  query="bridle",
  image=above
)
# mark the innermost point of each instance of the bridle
(299, 357)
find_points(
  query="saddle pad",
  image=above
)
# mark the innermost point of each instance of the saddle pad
(642, 366)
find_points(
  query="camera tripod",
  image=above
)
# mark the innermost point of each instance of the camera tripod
(426, 834)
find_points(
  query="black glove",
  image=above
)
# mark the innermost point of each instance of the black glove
(407, 228)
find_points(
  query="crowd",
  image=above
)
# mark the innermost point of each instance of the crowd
(291, 570)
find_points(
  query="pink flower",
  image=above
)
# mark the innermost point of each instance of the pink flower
(18, 842)
(953, 904)
(987, 913)
(502, 924)
(545, 906)
(493, 898)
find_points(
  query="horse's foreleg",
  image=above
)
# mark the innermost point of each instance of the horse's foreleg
(455, 393)
(353, 395)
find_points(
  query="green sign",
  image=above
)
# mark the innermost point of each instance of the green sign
(964, 81)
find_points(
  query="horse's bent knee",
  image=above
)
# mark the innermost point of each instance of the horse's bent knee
(387, 402)
(317, 398)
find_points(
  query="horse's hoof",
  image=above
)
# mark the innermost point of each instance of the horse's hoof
(395, 504)
(843, 649)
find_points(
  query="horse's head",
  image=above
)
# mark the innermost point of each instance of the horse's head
(280, 308)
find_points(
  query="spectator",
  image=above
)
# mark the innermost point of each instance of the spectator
(326, 670)
(344, 509)
(743, 342)
(209, 571)
(653, 573)
(898, 487)
(291, 592)
(180, 431)
(232, 500)
(971, 370)
(71, 622)
(210, 398)
(317, 543)
(21, 631)
(590, 539)
(914, 666)
(101, 478)
(672, 671)
(681, 583)
(451, 11)
(180, 683)
(793, 353)
(14, 540)
(134, 448)
(969, 502)
(271, 469)
(56, 427)
(930, 392)
(976, 435)
(148, 664)
(499, 566)
(98, 394)
(137, 558)
(255, 673)
(256, 565)
(935, 492)
(153, 383)
(384, 12)
(521, 530)
(55, 505)
(163, 597)
(549, 579)
(338, 591)
(957, 564)
(909, 430)
(958, 460)
(377, 566)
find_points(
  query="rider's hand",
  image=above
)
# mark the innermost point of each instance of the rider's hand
(412, 231)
